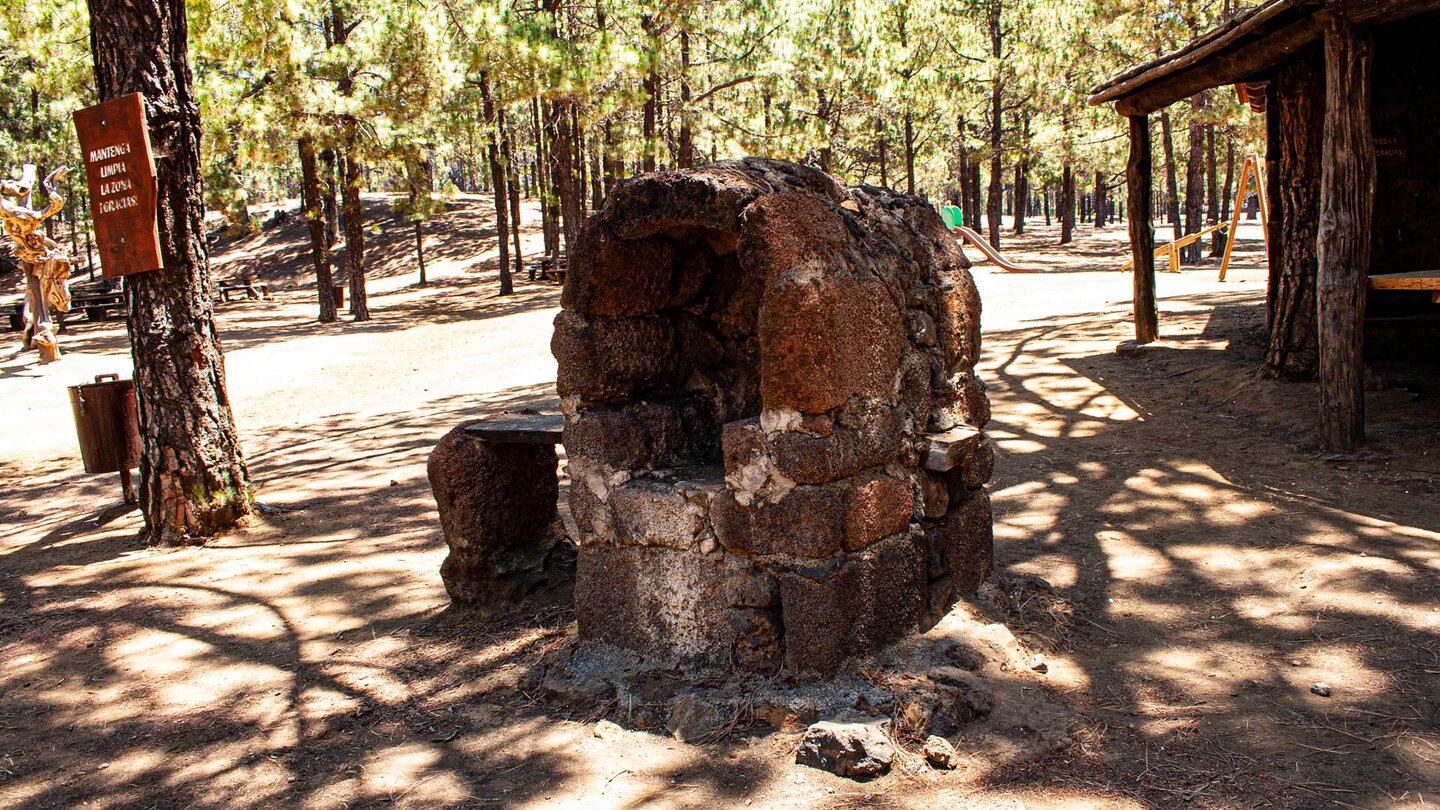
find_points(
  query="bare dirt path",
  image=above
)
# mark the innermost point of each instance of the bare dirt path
(1211, 568)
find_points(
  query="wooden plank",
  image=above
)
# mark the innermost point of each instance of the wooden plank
(948, 449)
(1347, 202)
(1428, 280)
(1138, 174)
(519, 428)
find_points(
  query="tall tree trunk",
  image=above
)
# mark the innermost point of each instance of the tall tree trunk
(882, 151)
(193, 478)
(498, 179)
(1227, 194)
(352, 218)
(1347, 202)
(1195, 177)
(512, 172)
(1022, 178)
(315, 221)
(328, 187)
(1138, 176)
(909, 152)
(562, 173)
(1292, 350)
(1212, 192)
(1067, 205)
(1099, 202)
(685, 156)
(1172, 185)
(822, 112)
(650, 113)
(549, 205)
(997, 124)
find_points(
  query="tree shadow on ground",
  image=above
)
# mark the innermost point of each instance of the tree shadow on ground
(1219, 567)
(1216, 568)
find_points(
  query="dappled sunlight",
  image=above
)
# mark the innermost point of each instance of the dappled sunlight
(1217, 570)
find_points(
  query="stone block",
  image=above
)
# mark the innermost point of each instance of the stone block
(618, 277)
(808, 522)
(846, 451)
(673, 603)
(978, 466)
(935, 493)
(876, 508)
(497, 504)
(603, 359)
(973, 406)
(657, 513)
(852, 606)
(970, 532)
(859, 354)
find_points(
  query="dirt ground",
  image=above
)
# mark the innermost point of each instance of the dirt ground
(1211, 567)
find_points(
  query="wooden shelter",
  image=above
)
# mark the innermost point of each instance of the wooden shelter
(1348, 89)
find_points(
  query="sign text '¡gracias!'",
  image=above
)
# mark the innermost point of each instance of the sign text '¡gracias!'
(115, 181)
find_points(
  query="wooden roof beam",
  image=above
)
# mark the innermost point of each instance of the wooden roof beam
(1229, 68)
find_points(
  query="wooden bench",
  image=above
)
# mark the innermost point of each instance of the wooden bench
(1416, 280)
(96, 306)
(259, 292)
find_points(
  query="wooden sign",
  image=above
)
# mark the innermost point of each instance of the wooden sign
(1390, 151)
(120, 171)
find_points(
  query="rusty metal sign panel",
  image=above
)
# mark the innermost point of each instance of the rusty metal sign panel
(120, 172)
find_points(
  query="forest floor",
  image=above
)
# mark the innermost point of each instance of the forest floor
(1212, 566)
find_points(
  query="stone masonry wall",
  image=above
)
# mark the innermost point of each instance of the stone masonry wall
(750, 358)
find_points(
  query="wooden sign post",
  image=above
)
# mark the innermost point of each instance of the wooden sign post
(120, 172)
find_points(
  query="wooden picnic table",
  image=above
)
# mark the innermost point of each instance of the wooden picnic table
(252, 291)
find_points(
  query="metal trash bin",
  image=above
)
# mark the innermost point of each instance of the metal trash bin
(107, 424)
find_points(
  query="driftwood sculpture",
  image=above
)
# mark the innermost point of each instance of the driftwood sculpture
(45, 264)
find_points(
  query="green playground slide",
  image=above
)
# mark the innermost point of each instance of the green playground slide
(952, 216)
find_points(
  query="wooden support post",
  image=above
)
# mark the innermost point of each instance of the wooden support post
(1142, 235)
(1347, 199)
(1235, 218)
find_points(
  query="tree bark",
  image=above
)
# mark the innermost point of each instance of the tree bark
(1347, 200)
(685, 155)
(1195, 177)
(193, 478)
(1067, 205)
(650, 113)
(1098, 203)
(1172, 185)
(352, 219)
(512, 181)
(1212, 192)
(997, 124)
(328, 188)
(1142, 237)
(1292, 351)
(497, 175)
(315, 221)
(909, 152)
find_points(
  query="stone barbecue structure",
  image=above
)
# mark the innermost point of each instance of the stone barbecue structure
(771, 418)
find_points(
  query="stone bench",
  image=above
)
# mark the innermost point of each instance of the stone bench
(496, 483)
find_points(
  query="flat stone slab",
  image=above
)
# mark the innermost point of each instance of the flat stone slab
(949, 448)
(519, 428)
